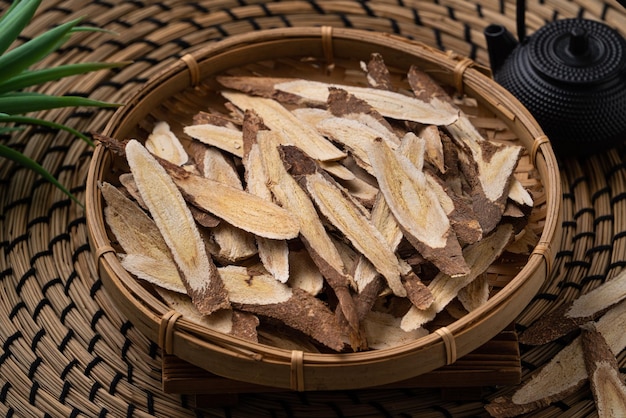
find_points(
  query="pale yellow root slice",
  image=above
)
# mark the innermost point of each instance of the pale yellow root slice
(475, 294)
(343, 212)
(519, 194)
(564, 374)
(609, 391)
(224, 138)
(353, 135)
(128, 181)
(312, 231)
(417, 210)
(274, 254)
(303, 273)
(237, 207)
(569, 316)
(134, 230)
(388, 103)
(383, 331)
(434, 147)
(226, 321)
(277, 118)
(461, 216)
(444, 288)
(263, 295)
(161, 272)
(163, 143)
(345, 105)
(232, 243)
(173, 218)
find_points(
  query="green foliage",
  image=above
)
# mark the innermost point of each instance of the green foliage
(16, 75)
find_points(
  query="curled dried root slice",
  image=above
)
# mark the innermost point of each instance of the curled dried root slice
(177, 226)
(387, 103)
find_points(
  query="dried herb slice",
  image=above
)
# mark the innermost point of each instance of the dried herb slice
(417, 209)
(607, 387)
(177, 226)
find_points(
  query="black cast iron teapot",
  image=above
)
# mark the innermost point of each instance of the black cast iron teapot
(571, 76)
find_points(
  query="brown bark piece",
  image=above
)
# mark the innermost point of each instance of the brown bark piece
(377, 73)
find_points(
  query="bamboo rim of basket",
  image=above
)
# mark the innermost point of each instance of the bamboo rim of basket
(455, 340)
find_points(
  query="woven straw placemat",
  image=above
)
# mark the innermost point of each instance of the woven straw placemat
(66, 350)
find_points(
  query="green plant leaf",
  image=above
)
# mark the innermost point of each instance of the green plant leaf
(36, 77)
(25, 120)
(14, 20)
(24, 102)
(23, 56)
(18, 157)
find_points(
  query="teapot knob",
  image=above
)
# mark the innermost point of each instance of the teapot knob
(578, 41)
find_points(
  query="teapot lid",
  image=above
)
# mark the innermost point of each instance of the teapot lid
(577, 51)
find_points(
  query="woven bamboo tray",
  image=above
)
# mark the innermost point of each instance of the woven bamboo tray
(67, 350)
(176, 94)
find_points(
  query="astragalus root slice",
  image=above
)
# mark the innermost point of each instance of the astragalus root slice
(609, 391)
(345, 214)
(417, 209)
(263, 295)
(444, 288)
(134, 230)
(232, 244)
(177, 226)
(274, 254)
(237, 207)
(461, 216)
(279, 119)
(161, 272)
(569, 316)
(163, 143)
(313, 234)
(383, 331)
(224, 138)
(226, 321)
(564, 374)
(315, 93)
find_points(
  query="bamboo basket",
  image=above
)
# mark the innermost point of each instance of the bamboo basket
(178, 92)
